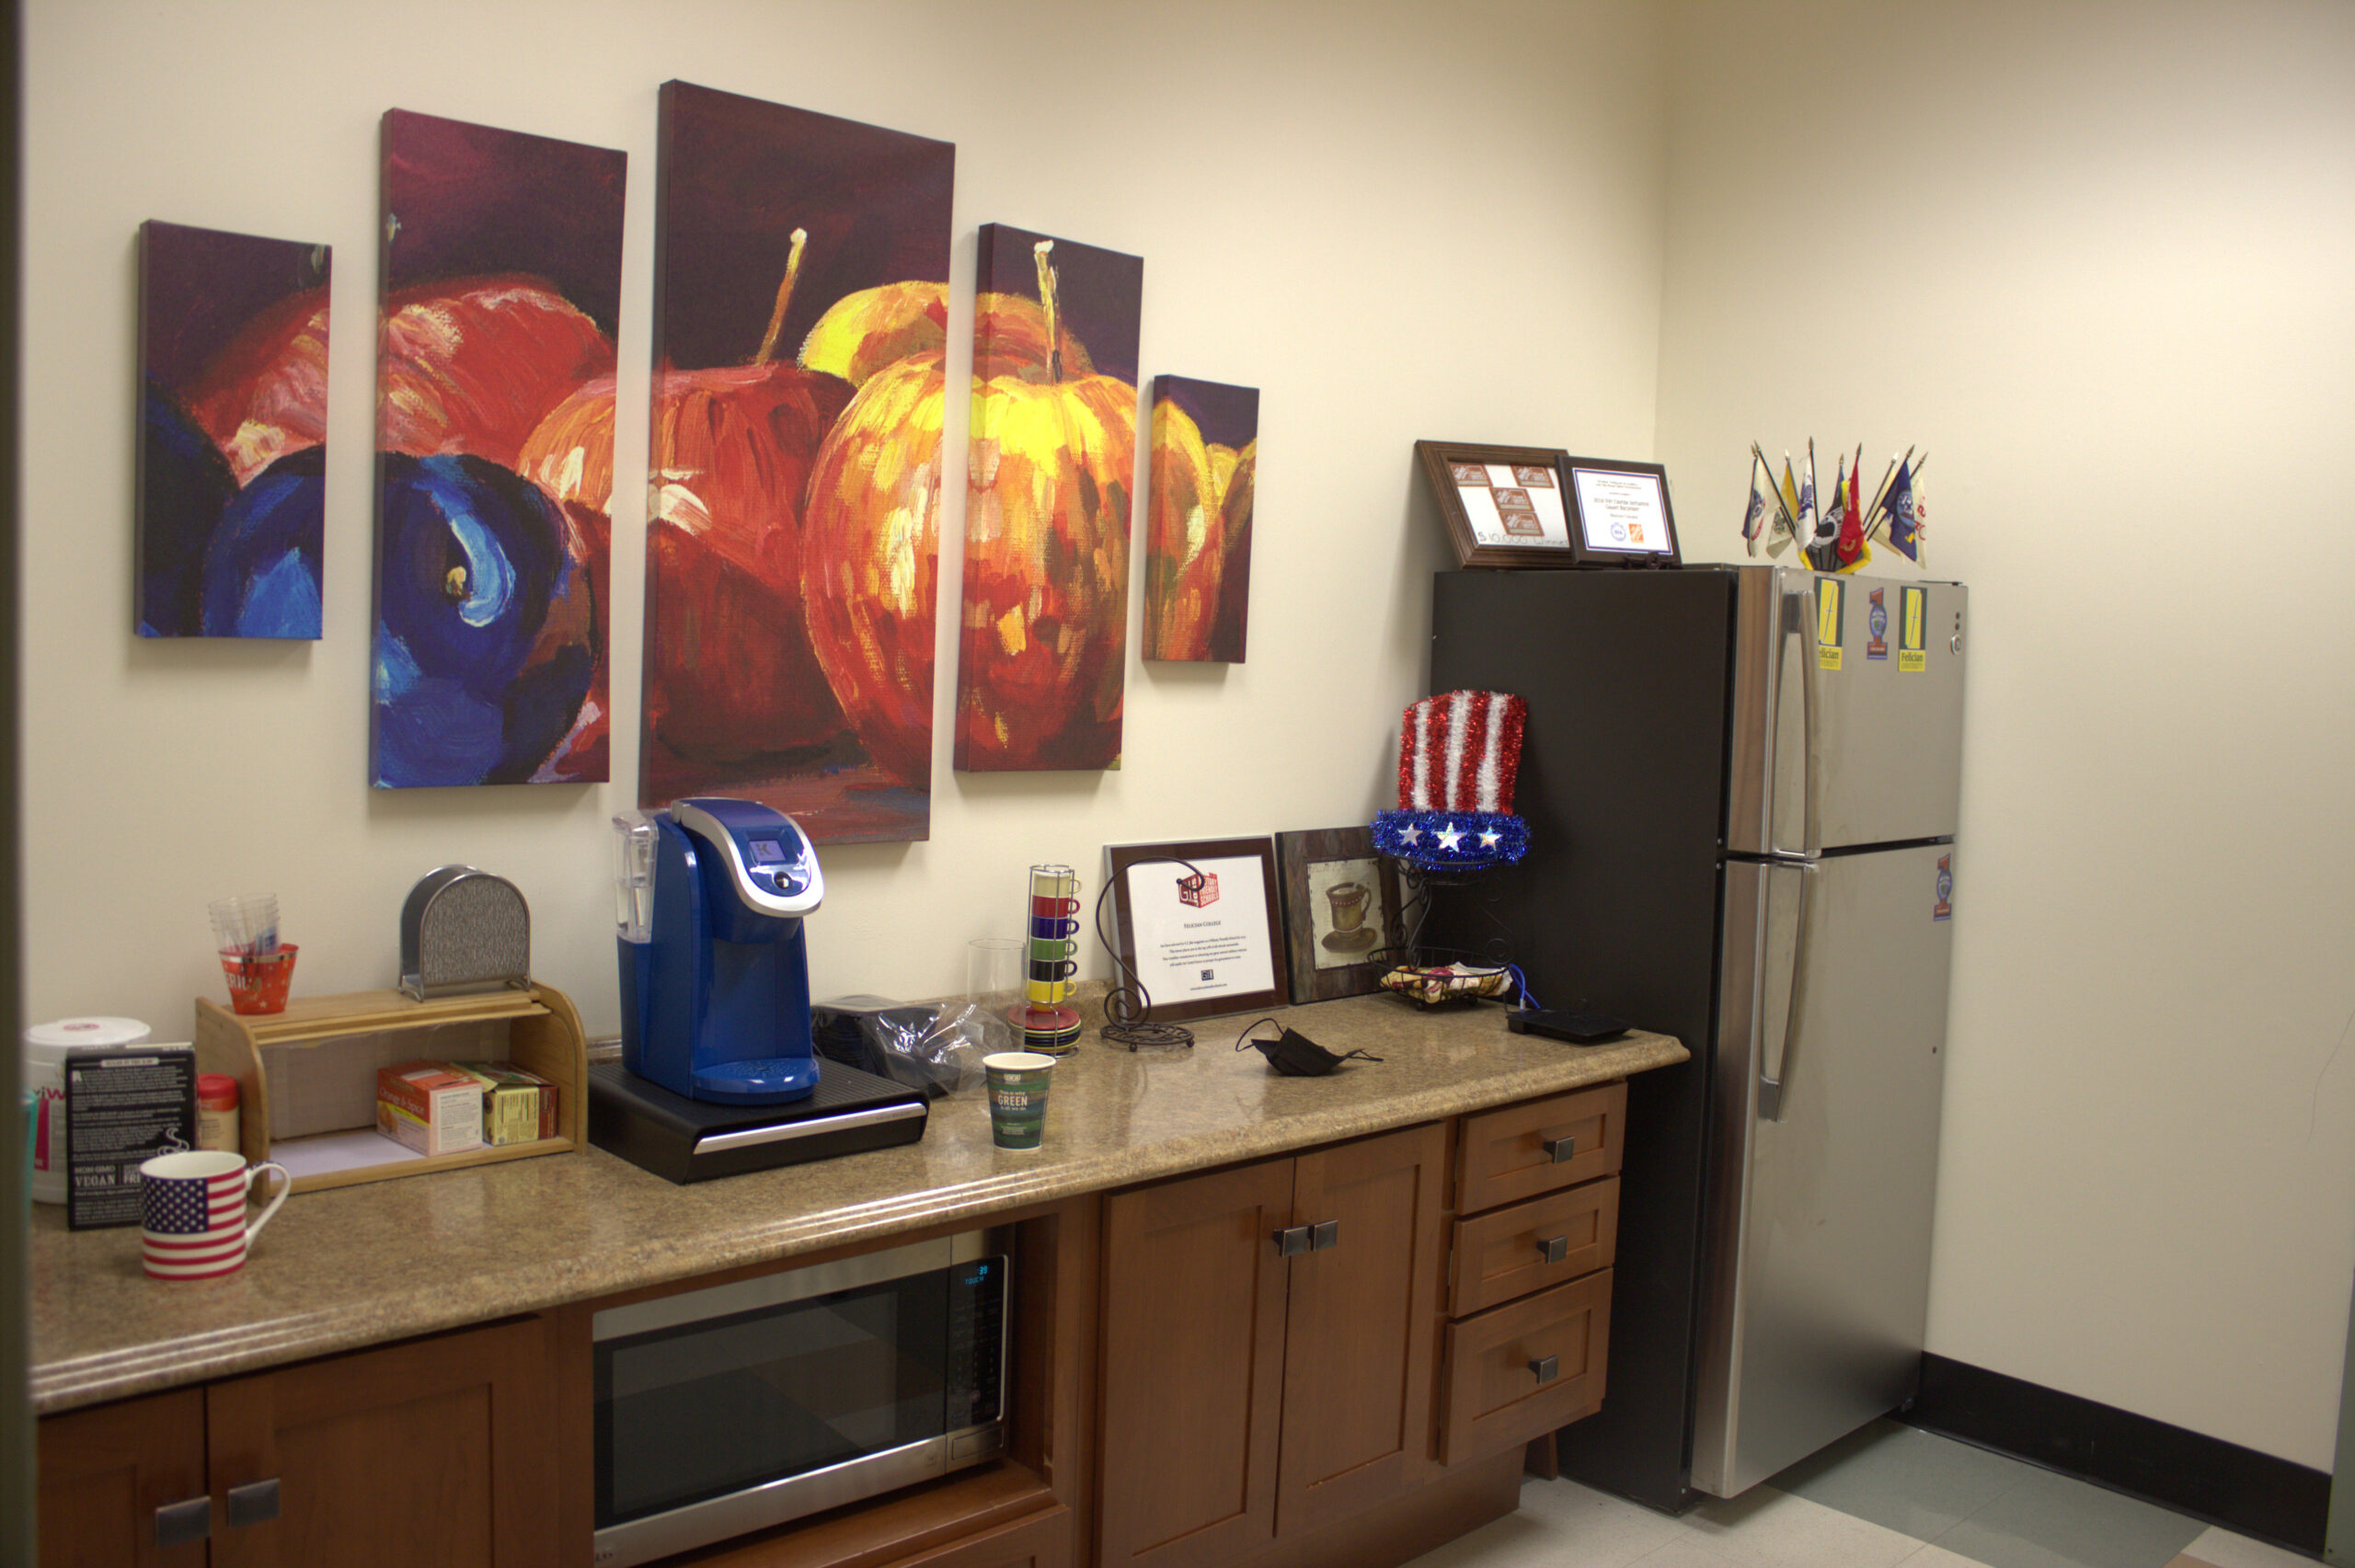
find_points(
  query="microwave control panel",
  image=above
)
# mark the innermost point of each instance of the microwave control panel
(976, 1371)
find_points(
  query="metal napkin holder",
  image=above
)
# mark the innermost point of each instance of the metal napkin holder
(463, 930)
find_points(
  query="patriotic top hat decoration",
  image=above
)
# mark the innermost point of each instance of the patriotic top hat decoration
(1459, 757)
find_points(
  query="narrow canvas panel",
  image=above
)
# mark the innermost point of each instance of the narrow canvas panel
(1197, 529)
(233, 415)
(793, 520)
(1041, 645)
(501, 288)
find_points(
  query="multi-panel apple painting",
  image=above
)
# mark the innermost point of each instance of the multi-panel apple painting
(1197, 528)
(231, 515)
(795, 472)
(501, 288)
(1049, 481)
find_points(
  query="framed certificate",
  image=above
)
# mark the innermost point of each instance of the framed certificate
(1619, 512)
(1199, 925)
(1503, 506)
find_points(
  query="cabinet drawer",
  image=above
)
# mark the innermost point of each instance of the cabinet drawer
(1503, 1253)
(1539, 1146)
(1042, 1541)
(1495, 1399)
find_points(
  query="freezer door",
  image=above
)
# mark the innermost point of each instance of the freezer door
(1830, 1058)
(1848, 706)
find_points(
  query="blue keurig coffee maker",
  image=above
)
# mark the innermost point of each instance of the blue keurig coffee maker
(718, 1073)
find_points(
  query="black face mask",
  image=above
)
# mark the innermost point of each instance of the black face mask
(1295, 1055)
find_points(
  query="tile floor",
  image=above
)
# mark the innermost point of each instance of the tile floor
(1888, 1495)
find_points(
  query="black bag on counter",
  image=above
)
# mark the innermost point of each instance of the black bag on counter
(935, 1048)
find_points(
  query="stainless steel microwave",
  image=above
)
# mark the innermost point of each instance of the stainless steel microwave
(740, 1406)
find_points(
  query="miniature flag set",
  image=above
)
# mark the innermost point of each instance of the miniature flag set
(1838, 538)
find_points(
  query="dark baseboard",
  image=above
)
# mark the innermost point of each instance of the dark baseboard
(2256, 1494)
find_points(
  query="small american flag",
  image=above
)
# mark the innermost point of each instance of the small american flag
(192, 1206)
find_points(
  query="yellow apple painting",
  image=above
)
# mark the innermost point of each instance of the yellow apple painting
(1198, 527)
(1049, 482)
(794, 475)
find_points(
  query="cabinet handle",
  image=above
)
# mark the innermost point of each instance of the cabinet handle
(1293, 1241)
(1559, 1150)
(1324, 1237)
(178, 1524)
(256, 1502)
(1547, 1368)
(1555, 1248)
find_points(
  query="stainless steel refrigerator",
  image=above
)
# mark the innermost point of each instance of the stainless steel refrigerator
(1741, 784)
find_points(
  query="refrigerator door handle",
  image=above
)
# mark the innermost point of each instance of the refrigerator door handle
(1770, 1086)
(1798, 622)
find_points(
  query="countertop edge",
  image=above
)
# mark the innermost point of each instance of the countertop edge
(437, 1305)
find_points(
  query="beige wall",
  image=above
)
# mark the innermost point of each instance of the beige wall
(2101, 259)
(1386, 248)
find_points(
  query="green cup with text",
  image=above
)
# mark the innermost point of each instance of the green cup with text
(1019, 1097)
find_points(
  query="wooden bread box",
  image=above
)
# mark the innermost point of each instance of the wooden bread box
(322, 1052)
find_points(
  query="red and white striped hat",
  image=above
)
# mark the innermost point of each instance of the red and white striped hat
(1461, 751)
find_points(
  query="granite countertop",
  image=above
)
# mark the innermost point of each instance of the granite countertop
(356, 1266)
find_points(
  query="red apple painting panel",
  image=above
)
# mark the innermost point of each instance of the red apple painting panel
(794, 475)
(233, 414)
(1197, 528)
(502, 286)
(1042, 643)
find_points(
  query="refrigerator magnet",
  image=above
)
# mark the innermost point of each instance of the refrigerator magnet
(1914, 631)
(1943, 910)
(1830, 621)
(1877, 626)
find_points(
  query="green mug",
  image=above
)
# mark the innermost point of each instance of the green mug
(1019, 1097)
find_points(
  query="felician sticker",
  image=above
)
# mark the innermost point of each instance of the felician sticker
(1830, 621)
(1914, 631)
(1943, 909)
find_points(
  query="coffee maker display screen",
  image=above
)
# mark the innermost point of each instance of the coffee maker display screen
(766, 852)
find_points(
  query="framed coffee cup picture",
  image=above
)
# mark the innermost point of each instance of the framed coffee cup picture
(1504, 506)
(1341, 912)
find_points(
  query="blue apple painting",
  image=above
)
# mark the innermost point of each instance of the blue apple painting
(231, 522)
(501, 285)
(485, 645)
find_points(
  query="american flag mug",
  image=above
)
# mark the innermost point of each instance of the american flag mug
(192, 1212)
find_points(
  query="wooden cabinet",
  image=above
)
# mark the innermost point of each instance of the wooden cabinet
(1268, 1349)
(1529, 1289)
(432, 1451)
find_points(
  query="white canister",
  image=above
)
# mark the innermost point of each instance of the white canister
(45, 1049)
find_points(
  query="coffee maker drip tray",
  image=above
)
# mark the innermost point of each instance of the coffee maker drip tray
(694, 1141)
(762, 1080)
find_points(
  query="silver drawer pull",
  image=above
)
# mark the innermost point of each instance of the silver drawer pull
(1547, 1368)
(252, 1503)
(1560, 1150)
(1555, 1248)
(1292, 1241)
(178, 1524)
(1325, 1236)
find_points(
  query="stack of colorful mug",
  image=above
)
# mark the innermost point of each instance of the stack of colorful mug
(1047, 1025)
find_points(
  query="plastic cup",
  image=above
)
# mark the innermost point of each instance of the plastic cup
(993, 983)
(1019, 1082)
(259, 982)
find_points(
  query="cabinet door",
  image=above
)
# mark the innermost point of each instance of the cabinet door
(106, 1471)
(432, 1452)
(1192, 1367)
(1362, 1326)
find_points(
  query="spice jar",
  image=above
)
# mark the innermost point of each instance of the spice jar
(216, 1111)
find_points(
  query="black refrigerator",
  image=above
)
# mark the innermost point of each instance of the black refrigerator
(1741, 786)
